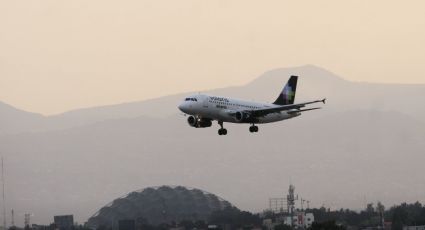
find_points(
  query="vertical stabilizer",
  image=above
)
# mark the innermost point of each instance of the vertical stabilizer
(287, 96)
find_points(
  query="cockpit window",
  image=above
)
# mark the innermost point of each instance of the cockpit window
(190, 99)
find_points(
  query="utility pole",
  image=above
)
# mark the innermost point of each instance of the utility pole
(27, 219)
(381, 209)
(4, 200)
(13, 218)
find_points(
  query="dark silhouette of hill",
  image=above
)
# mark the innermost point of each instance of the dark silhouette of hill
(156, 205)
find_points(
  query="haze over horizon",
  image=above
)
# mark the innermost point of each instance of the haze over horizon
(62, 55)
(366, 138)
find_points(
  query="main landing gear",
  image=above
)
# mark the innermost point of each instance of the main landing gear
(222, 131)
(253, 128)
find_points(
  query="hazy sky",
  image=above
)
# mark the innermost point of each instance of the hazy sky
(59, 55)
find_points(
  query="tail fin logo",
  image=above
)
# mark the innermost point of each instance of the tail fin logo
(288, 94)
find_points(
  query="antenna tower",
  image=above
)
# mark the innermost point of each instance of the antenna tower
(291, 198)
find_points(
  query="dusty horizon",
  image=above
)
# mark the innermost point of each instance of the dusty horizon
(182, 92)
(58, 56)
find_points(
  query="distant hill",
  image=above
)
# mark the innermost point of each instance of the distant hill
(365, 145)
(13, 120)
(314, 83)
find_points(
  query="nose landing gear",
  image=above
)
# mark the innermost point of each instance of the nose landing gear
(222, 132)
(253, 128)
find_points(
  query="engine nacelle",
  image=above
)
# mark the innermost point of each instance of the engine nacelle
(204, 123)
(242, 117)
(192, 121)
(199, 123)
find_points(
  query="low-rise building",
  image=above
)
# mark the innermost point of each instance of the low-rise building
(299, 220)
(65, 222)
(422, 227)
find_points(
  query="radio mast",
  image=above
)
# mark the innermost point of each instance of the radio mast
(291, 198)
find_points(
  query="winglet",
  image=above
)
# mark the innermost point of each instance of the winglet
(324, 100)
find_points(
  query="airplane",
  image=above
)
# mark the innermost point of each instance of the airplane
(203, 109)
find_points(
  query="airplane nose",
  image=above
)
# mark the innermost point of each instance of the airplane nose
(182, 107)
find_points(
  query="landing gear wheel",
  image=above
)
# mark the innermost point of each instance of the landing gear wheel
(222, 131)
(253, 129)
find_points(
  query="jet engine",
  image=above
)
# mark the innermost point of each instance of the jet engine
(242, 117)
(199, 123)
(192, 121)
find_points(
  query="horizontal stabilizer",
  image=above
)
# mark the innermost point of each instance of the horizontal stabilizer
(302, 110)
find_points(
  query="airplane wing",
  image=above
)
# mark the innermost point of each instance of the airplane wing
(295, 107)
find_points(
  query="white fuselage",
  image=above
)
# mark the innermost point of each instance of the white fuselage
(221, 108)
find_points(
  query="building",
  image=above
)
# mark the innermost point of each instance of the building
(268, 223)
(39, 227)
(300, 220)
(422, 227)
(65, 222)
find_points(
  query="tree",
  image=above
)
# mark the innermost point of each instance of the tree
(187, 224)
(380, 208)
(370, 209)
(328, 225)
(282, 227)
(234, 217)
(399, 218)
